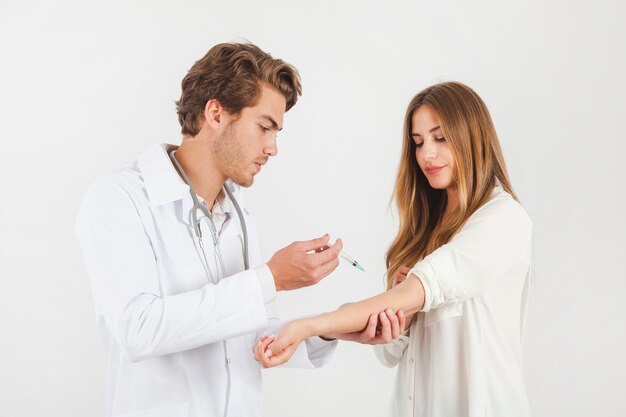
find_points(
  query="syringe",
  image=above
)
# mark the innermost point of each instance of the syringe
(351, 260)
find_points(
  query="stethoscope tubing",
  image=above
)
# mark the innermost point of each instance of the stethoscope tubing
(197, 206)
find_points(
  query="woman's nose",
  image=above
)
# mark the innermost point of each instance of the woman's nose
(429, 150)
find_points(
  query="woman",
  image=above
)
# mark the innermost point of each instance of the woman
(467, 241)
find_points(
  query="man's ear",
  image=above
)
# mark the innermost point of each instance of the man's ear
(213, 113)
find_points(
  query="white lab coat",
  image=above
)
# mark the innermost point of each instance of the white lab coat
(176, 344)
(462, 356)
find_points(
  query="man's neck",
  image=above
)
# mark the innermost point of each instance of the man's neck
(196, 157)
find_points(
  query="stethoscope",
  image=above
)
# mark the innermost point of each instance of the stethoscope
(193, 215)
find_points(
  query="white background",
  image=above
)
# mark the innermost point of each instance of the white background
(86, 86)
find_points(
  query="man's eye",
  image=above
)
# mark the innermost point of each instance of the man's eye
(265, 129)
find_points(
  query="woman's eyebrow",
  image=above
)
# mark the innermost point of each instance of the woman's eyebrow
(431, 131)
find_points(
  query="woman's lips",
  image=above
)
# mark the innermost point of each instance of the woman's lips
(434, 170)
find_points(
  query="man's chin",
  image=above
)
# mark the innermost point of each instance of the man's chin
(244, 182)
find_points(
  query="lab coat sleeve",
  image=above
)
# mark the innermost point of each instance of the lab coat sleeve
(266, 281)
(263, 272)
(389, 354)
(492, 242)
(126, 287)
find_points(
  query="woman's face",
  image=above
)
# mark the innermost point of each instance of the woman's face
(432, 152)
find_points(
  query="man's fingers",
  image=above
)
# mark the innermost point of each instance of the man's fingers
(314, 244)
(275, 347)
(321, 258)
(257, 346)
(260, 348)
(322, 249)
(327, 268)
(264, 360)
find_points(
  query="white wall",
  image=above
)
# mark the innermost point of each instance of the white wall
(85, 86)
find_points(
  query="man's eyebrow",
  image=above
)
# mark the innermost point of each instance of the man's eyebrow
(431, 131)
(272, 121)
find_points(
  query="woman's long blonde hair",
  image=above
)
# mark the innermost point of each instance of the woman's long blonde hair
(478, 158)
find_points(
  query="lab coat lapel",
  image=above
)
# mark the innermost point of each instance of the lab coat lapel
(162, 181)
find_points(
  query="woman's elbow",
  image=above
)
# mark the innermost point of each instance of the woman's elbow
(410, 295)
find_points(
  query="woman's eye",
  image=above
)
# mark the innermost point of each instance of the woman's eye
(442, 139)
(418, 145)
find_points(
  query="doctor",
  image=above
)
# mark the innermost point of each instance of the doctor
(181, 292)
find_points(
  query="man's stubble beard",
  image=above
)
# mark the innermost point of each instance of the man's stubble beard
(230, 155)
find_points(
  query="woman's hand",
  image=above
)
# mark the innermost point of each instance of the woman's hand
(384, 326)
(401, 275)
(273, 351)
(381, 328)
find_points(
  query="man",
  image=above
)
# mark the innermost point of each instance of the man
(165, 242)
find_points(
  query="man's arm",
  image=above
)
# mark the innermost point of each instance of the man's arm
(127, 290)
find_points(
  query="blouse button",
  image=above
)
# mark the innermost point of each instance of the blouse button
(410, 360)
(410, 398)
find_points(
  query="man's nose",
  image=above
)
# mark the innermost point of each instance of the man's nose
(271, 149)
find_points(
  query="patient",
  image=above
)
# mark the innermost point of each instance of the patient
(459, 267)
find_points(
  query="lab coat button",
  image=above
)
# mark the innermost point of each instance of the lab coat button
(410, 398)
(228, 361)
(410, 360)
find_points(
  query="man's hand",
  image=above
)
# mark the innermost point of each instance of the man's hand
(272, 351)
(381, 328)
(260, 348)
(294, 267)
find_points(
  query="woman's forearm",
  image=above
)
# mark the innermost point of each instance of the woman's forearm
(407, 296)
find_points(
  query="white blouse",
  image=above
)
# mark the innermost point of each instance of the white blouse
(462, 356)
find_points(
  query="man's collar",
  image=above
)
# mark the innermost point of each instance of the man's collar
(163, 184)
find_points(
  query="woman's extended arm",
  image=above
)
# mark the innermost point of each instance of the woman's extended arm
(407, 296)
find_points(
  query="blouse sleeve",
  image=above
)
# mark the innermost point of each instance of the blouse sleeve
(492, 242)
(390, 353)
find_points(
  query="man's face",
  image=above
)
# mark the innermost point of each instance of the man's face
(246, 143)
